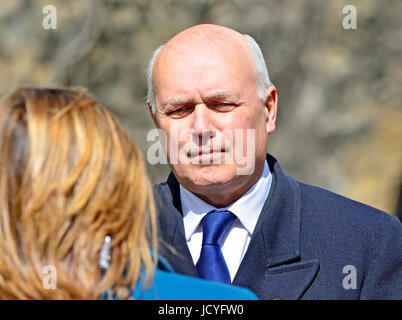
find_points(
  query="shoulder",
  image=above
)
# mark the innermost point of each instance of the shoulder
(170, 185)
(337, 220)
(161, 190)
(168, 285)
(168, 191)
(324, 203)
(160, 187)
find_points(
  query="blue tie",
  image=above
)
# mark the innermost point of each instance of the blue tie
(211, 265)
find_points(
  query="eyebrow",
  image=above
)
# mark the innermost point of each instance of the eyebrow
(178, 101)
(173, 101)
(218, 96)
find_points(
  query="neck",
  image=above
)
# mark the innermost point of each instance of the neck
(219, 197)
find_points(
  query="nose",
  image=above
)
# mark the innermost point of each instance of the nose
(202, 121)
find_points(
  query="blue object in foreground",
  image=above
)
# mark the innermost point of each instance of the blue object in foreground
(168, 285)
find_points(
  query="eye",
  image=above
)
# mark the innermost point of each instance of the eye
(180, 112)
(222, 106)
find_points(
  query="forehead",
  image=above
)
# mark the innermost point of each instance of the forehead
(203, 63)
(207, 37)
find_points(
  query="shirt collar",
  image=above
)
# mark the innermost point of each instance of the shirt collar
(247, 209)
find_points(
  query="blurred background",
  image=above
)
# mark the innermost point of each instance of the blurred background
(340, 91)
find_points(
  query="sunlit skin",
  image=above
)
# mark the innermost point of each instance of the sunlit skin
(204, 81)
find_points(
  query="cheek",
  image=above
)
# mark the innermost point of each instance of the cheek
(250, 120)
(176, 132)
(248, 117)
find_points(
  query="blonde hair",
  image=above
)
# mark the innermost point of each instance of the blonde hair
(69, 176)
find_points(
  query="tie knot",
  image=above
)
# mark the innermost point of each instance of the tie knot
(215, 224)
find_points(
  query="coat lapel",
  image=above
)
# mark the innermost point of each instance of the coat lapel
(173, 245)
(272, 266)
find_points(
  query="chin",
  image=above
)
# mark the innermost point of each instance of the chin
(209, 176)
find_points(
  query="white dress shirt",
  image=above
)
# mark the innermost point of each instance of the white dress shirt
(236, 240)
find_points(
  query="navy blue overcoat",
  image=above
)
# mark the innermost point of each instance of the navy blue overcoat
(309, 243)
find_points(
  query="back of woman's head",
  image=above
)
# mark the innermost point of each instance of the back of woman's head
(69, 177)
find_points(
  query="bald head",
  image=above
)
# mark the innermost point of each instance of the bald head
(206, 37)
(202, 44)
(211, 82)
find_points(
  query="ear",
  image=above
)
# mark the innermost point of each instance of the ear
(153, 115)
(271, 108)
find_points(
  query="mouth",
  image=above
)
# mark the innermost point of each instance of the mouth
(204, 152)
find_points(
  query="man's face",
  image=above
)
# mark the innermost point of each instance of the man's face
(208, 105)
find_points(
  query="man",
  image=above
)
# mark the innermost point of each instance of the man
(228, 212)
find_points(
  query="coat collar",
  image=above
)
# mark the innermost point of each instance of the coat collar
(275, 244)
(172, 245)
(280, 218)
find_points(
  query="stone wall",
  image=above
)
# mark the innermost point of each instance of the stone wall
(339, 90)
